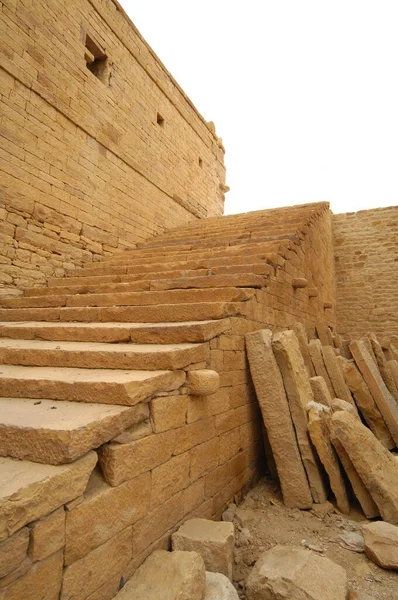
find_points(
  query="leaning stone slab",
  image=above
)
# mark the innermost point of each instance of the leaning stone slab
(41, 582)
(336, 376)
(393, 364)
(384, 400)
(30, 491)
(302, 337)
(219, 587)
(320, 391)
(167, 575)
(384, 367)
(213, 540)
(376, 467)
(318, 417)
(275, 411)
(298, 389)
(365, 402)
(381, 544)
(287, 573)
(315, 349)
(13, 551)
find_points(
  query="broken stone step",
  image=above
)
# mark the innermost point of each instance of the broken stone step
(53, 432)
(92, 355)
(140, 333)
(162, 313)
(101, 386)
(82, 288)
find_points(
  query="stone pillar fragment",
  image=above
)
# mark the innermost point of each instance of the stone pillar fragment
(302, 337)
(320, 391)
(384, 367)
(315, 348)
(336, 376)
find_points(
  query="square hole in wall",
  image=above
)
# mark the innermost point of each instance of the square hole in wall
(96, 58)
(160, 120)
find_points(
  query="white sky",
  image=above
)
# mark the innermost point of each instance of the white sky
(304, 93)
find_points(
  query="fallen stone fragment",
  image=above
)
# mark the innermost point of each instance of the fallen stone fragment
(167, 575)
(312, 547)
(213, 540)
(320, 391)
(365, 402)
(374, 464)
(336, 376)
(229, 513)
(381, 544)
(275, 411)
(384, 367)
(322, 510)
(315, 348)
(352, 541)
(219, 587)
(287, 573)
(13, 551)
(384, 400)
(298, 390)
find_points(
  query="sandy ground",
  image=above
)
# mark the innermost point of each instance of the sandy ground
(262, 521)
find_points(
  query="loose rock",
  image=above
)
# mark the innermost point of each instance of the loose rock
(381, 544)
(219, 587)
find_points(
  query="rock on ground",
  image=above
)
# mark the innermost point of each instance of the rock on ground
(381, 544)
(294, 573)
(167, 575)
(219, 587)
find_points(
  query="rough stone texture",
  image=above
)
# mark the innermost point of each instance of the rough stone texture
(293, 572)
(381, 544)
(47, 535)
(275, 411)
(393, 364)
(41, 582)
(167, 575)
(336, 376)
(374, 464)
(302, 337)
(30, 491)
(298, 389)
(320, 391)
(13, 551)
(168, 412)
(318, 427)
(203, 382)
(385, 402)
(384, 367)
(365, 402)
(219, 587)
(213, 540)
(315, 349)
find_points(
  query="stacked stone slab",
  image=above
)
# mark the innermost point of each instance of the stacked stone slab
(129, 380)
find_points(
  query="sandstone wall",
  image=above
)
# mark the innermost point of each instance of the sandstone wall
(366, 258)
(92, 163)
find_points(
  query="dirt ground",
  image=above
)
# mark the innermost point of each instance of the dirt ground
(262, 521)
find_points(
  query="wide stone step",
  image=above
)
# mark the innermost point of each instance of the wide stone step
(54, 432)
(92, 355)
(100, 386)
(163, 313)
(140, 333)
(226, 294)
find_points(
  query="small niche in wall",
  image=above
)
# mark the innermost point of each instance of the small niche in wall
(160, 120)
(200, 162)
(96, 58)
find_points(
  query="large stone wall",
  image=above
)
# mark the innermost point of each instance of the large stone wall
(366, 257)
(90, 165)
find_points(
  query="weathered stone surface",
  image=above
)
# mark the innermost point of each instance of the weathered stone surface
(384, 367)
(168, 412)
(294, 572)
(88, 574)
(384, 400)
(320, 391)
(393, 364)
(338, 404)
(336, 376)
(315, 349)
(104, 512)
(365, 401)
(219, 587)
(318, 426)
(374, 464)
(13, 551)
(47, 535)
(381, 544)
(167, 575)
(302, 337)
(213, 540)
(30, 490)
(53, 432)
(203, 382)
(275, 411)
(41, 582)
(298, 390)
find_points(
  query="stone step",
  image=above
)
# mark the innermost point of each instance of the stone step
(140, 333)
(99, 386)
(92, 355)
(226, 294)
(185, 282)
(81, 283)
(162, 313)
(54, 432)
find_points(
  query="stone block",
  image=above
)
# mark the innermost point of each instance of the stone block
(170, 478)
(203, 382)
(168, 412)
(213, 540)
(47, 535)
(41, 582)
(13, 551)
(219, 587)
(204, 458)
(381, 544)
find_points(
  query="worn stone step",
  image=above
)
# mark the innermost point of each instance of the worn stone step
(140, 333)
(93, 355)
(162, 313)
(100, 386)
(226, 294)
(54, 432)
